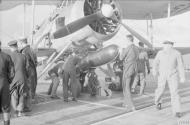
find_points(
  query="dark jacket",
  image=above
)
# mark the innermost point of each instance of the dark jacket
(55, 69)
(21, 66)
(30, 55)
(6, 70)
(70, 63)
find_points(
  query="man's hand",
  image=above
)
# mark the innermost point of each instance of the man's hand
(148, 71)
(182, 80)
(120, 50)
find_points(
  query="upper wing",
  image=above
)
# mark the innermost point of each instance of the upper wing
(131, 9)
(143, 9)
(8, 4)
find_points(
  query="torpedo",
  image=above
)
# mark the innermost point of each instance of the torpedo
(99, 58)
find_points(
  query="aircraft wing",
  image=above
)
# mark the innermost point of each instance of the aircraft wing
(8, 4)
(131, 9)
(143, 9)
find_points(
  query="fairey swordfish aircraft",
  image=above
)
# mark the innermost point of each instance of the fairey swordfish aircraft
(82, 23)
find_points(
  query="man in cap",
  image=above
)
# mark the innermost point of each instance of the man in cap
(70, 74)
(142, 63)
(6, 76)
(129, 56)
(54, 76)
(18, 86)
(168, 66)
(32, 59)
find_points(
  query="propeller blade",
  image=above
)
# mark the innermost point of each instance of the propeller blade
(138, 36)
(69, 28)
(76, 25)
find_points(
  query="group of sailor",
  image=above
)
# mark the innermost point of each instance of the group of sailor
(18, 76)
(167, 66)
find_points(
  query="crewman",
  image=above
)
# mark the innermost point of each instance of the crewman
(168, 66)
(70, 74)
(6, 77)
(32, 80)
(129, 56)
(18, 86)
(142, 63)
(54, 75)
(118, 70)
(93, 82)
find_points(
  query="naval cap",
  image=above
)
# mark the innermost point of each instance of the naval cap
(12, 43)
(23, 40)
(168, 42)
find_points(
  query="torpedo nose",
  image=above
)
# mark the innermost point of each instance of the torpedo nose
(112, 50)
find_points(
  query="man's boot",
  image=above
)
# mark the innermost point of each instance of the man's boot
(159, 106)
(7, 122)
(178, 114)
(21, 114)
(6, 118)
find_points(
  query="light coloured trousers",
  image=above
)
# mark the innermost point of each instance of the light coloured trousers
(126, 83)
(173, 82)
(17, 98)
(139, 77)
(53, 86)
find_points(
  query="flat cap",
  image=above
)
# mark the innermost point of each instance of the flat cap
(92, 68)
(12, 43)
(168, 42)
(23, 40)
(141, 44)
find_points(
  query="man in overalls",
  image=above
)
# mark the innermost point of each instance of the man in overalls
(129, 56)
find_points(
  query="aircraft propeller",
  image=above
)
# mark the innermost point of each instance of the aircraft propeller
(137, 35)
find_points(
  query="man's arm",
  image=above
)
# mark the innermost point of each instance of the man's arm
(27, 66)
(27, 56)
(147, 62)
(11, 70)
(181, 67)
(123, 53)
(53, 71)
(34, 57)
(156, 64)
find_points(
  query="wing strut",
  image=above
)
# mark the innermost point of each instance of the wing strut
(24, 20)
(51, 57)
(33, 21)
(169, 9)
(151, 30)
(47, 24)
(51, 63)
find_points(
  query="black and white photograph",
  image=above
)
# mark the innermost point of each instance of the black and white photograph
(94, 62)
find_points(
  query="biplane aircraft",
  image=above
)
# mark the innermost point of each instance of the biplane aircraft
(87, 26)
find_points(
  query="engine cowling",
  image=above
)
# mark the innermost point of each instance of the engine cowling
(103, 28)
(106, 27)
